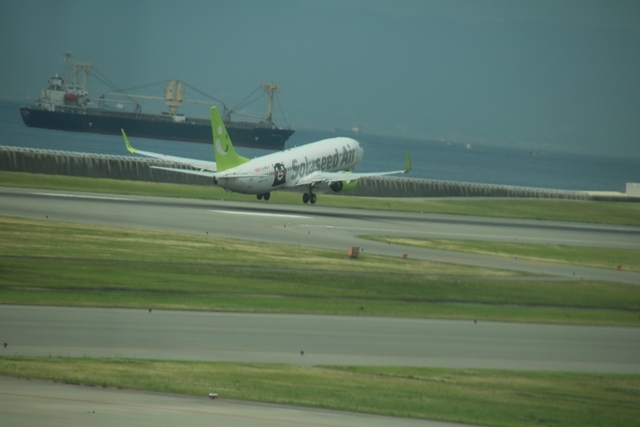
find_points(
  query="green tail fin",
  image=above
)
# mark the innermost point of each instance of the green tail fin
(226, 156)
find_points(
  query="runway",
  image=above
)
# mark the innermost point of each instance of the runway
(325, 339)
(36, 403)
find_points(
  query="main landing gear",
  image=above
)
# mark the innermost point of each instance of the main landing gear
(309, 197)
(265, 196)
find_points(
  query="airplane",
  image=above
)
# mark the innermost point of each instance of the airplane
(327, 162)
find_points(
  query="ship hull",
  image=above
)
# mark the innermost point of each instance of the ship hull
(155, 126)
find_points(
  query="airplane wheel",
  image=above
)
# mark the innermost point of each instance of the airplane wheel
(259, 196)
(305, 197)
(312, 198)
(267, 196)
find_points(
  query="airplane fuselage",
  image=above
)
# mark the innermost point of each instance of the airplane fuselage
(286, 168)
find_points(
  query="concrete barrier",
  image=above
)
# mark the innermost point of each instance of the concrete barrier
(132, 168)
(633, 189)
(407, 187)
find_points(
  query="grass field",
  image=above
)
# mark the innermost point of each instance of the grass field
(479, 397)
(606, 258)
(55, 263)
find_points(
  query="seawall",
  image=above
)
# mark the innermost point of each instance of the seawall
(408, 187)
(132, 168)
(51, 162)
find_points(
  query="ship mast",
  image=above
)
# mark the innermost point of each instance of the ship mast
(77, 67)
(85, 67)
(270, 89)
(174, 95)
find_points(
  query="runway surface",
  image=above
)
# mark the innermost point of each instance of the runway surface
(325, 339)
(37, 403)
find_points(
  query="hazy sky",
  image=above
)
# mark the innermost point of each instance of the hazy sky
(519, 72)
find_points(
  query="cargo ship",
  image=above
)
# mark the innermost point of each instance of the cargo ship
(65, 105)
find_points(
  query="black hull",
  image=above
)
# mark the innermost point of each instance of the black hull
(155, 126)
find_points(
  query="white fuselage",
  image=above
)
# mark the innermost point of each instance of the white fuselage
(286, 168)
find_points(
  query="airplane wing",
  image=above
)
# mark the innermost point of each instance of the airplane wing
(204, 167)
(209, 174)
(327, 177)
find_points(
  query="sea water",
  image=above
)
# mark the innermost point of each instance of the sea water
(438, 160)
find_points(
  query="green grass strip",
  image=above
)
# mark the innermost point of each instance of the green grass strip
(68, 241)
(479, 397)
(608, 258)
(331, 306)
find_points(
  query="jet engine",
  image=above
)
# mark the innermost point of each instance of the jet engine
(338, 186)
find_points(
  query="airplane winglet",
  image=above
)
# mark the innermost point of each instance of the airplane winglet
(407, 167)
(127, 143)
